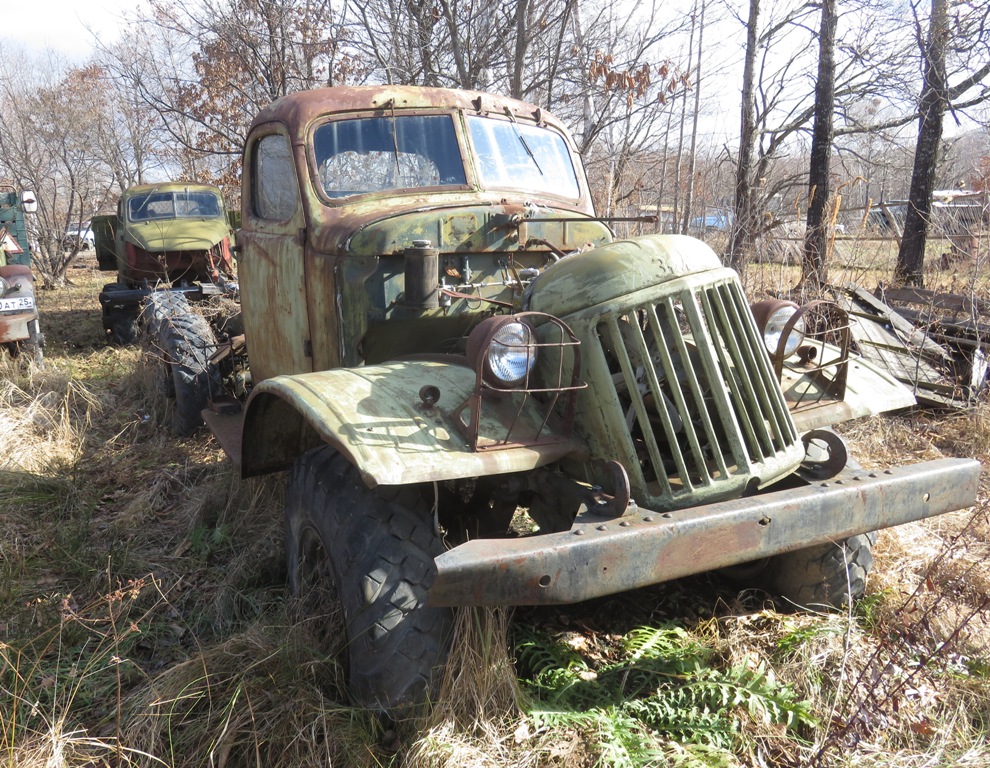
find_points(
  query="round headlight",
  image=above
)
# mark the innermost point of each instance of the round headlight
(4, 286)
(511, 354)
(774, 317)
(776, 325)
(503, 348)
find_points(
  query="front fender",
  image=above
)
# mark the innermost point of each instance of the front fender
(375, 417)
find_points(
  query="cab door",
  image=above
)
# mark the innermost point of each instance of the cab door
(271, 263)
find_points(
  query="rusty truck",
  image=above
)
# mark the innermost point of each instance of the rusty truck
(20, 327)
(483, 397)
(170, 236)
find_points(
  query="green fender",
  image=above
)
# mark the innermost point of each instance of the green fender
(375, 417)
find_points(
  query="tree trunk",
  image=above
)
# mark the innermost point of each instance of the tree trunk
(934, 97)
(522, 41)
(745, 217)
(817, 231)
(693, 157)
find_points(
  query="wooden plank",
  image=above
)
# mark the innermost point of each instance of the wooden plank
(952, 302)
(909, 333)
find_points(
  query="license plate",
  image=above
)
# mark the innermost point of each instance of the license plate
(19, 303)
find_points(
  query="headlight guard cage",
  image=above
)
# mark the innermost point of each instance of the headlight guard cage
(552, 385)
(822, 357)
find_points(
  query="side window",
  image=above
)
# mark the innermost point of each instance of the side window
(274, 179)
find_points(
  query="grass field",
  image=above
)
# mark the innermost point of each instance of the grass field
(144, 616)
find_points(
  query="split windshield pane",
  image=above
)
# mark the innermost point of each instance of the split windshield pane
(172, 205)
(373, 154)
(522, 156)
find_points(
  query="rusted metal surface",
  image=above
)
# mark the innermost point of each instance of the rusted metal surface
(227, 429)
(155, 247)
(349, 275)
(667, 334)
(869, 390)
(377, 418)
(596, 557)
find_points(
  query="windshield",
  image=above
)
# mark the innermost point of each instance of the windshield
(378, 153)
(522, 156)
(173, 205)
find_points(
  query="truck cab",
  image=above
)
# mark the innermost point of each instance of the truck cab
(166, 236)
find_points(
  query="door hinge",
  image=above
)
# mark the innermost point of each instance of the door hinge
(308, 347)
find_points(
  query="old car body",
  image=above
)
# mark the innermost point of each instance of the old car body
(171, 235)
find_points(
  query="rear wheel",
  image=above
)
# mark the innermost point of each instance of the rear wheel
(368, 555)
(828, 575)
(183, 342)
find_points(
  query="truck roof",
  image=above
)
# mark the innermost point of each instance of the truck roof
(303, 106)
(168, 186)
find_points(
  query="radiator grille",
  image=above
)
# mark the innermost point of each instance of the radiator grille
(699, 397)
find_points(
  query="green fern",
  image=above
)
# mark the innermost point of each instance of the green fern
(661, 703)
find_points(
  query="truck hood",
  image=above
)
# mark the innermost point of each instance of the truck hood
(177, 234)
(460, 225)
(617, 269)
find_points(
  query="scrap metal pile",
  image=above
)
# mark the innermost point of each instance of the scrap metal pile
(936, 343)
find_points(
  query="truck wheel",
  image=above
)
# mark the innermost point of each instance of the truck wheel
(827, 575)
(369, 552)
(184, 342)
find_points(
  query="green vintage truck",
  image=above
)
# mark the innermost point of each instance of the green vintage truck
(482, 397)
(172, 235)
(20, 327)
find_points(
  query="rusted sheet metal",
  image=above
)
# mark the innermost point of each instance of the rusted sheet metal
(869, 390)
(228, 430)
(599, 556)
(617, 270)
(374, 415)
(302, 107)
(961, 324)
(273, 300)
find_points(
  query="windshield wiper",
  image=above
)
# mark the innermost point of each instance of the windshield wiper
(522, 141)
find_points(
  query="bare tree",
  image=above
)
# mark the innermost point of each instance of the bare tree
(208, 68)
(744, 205)
(50, 122)
(818, 229)
(967, 38)
(693, 154)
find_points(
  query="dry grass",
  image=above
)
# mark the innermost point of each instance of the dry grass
(144, 621)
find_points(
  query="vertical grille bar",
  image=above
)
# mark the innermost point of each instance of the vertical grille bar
(717, 382)
(638, 404)
(699, 409)
(755, 430)
(774, 407)
(659, 399)
(693, 382)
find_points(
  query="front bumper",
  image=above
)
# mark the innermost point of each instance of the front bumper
(600, 556)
